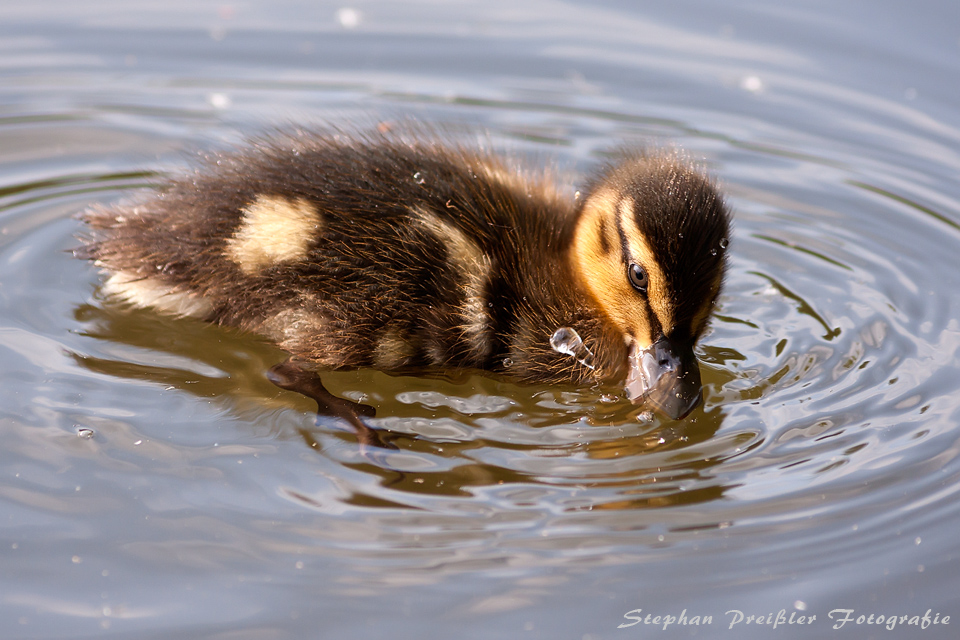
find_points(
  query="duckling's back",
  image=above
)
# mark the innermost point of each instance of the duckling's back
(353, 251)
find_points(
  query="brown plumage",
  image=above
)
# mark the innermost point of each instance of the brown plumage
(401, 252)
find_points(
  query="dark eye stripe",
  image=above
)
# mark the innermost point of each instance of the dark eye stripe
(624, 248)
(605, 247)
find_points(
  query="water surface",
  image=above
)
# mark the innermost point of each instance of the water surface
(154, 483)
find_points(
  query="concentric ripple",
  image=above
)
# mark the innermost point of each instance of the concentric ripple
(145, 455)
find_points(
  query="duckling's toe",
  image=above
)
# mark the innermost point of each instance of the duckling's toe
(292, 377)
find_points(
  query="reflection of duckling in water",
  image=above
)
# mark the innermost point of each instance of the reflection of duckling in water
(402, 253)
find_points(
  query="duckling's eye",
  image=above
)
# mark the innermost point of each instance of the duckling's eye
(637, 277)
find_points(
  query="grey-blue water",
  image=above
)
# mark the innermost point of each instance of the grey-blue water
(154, 484)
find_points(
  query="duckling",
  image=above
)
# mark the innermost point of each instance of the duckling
(403, 251)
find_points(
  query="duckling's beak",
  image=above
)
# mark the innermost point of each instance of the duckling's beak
(665, 376)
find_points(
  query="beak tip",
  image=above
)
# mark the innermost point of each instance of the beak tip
(673, 404)
(667, 381)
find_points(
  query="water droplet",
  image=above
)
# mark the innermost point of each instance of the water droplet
(418, 177)
(507, 363)
(723, 243)
(85, 432)
(568, 342)
(713, 251)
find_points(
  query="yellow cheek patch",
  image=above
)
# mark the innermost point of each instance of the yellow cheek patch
(273, 231)
(604, 273)
(658, 294)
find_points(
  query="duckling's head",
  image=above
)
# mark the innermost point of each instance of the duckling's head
(650, 248)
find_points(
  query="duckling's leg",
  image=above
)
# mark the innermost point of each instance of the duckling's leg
(289, 375)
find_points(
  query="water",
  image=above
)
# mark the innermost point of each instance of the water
(154, 484)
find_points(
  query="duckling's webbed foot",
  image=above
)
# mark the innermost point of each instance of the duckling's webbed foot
(291, 376)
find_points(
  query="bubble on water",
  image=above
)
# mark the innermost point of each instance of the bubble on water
(753, 84)
(348, 18)
(568, 342)
(219, 100)
(85, 432)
